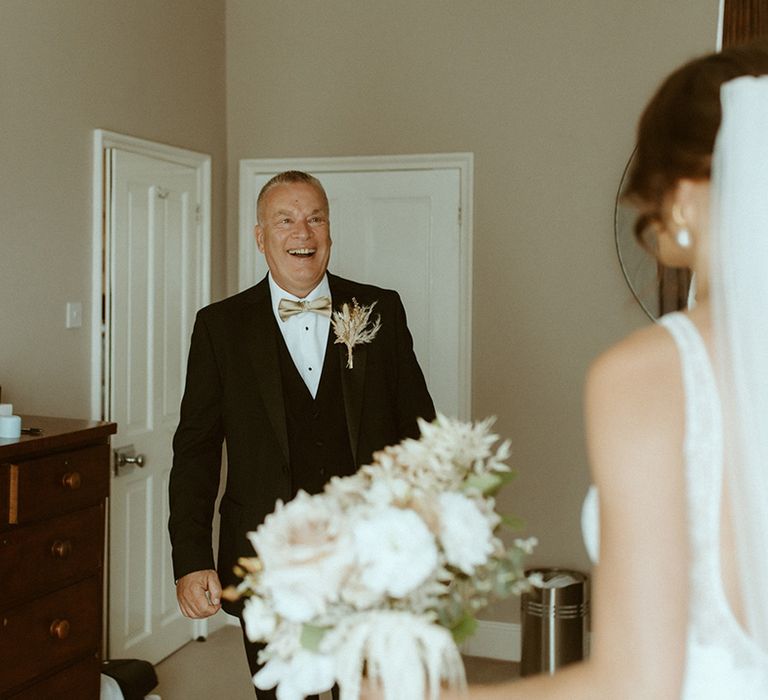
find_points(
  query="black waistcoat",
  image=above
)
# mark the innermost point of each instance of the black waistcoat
(318, 440)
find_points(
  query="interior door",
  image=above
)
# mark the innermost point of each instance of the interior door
(399, 228)
(156, 282)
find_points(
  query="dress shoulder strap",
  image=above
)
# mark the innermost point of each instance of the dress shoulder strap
(703, 418)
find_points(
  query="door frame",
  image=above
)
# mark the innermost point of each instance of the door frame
(252, 168)
(101, 282)
(100, 327)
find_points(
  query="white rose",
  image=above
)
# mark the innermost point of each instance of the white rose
(305, 673)
(466, 533)
(395, 551)
(259, 619)
(305, 548)
(358, 595)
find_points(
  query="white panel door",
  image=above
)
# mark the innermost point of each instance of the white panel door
(156, 258)
(398, 228)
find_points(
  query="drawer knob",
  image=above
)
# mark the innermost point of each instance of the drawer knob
(61, 549)
(59, 629)
(71, 480)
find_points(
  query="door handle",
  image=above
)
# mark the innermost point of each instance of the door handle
(138, 460)
(127, 455)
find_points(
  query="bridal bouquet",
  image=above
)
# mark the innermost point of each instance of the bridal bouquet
(383, 572)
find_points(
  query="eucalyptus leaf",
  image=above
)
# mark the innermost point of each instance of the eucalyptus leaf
(512, 522)
(464, 628)
(487, 484)
(311, 636)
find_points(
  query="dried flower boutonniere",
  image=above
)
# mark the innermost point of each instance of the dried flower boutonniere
(351, 326)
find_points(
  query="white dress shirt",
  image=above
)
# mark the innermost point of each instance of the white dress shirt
(305, 334)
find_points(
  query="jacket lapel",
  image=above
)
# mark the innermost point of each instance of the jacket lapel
(352, 380)
(262, 341)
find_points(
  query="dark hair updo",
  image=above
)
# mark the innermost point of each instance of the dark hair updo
(676, 133)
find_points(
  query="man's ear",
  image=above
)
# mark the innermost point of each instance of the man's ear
(258, 234)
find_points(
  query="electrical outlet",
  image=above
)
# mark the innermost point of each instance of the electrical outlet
(74, 314)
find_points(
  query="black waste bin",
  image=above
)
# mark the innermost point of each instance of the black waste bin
(555, 615)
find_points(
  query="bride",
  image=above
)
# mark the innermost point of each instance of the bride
(681, 582)
(682, 603)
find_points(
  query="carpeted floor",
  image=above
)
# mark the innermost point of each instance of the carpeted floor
(216, 670)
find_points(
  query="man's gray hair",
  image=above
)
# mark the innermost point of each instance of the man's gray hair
(288, 177)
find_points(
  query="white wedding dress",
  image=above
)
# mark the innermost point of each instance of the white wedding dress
(722, 661)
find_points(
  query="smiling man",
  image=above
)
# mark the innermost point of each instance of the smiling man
(294, 233)
(266, 378)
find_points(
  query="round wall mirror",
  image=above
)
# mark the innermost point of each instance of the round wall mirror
(638, 266)
(658, 289)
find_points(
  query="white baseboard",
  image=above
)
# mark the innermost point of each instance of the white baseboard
(494, 640)
(230, 619)
(207, 626)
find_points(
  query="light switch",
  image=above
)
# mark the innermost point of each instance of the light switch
(74, 314)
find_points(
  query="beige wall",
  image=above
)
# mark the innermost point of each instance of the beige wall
(545, 94)
(145, 68)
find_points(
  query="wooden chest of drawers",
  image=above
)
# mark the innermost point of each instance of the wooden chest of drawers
(53, 488)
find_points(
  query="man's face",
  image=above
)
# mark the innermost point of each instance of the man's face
(295, 236)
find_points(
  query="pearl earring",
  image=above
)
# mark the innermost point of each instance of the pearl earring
(683, 238)
(682, 235)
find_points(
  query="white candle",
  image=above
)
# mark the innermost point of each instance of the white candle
(10, 426)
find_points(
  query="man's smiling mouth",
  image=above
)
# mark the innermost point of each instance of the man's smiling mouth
(302, 252)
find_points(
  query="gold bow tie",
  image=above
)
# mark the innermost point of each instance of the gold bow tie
(287, 307)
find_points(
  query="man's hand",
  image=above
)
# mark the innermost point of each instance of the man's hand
(199, 593)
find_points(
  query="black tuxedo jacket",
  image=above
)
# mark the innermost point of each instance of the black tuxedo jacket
(234, 394)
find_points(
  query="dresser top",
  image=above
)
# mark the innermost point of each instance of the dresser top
(56, 434)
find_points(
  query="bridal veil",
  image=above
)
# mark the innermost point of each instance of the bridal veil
(739, 297)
